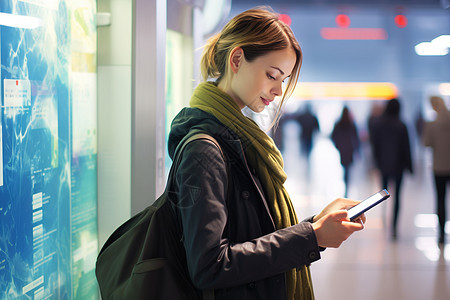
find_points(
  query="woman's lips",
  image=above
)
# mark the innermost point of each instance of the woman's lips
(265, 101)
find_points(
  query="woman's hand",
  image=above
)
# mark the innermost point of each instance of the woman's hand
(332, 226)
(338, 204)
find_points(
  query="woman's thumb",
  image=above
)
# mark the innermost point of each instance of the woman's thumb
(340, 215)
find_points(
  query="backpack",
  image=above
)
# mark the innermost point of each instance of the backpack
(144, 258)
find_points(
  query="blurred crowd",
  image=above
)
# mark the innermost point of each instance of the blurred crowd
(390, 147)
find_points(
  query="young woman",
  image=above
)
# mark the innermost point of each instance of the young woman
(240, 231)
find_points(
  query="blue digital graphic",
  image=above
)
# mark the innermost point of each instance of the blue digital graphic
(48, 225)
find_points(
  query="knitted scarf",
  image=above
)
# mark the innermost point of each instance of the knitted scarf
(266, 159)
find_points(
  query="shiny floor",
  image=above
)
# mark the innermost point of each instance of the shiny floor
(370, 265)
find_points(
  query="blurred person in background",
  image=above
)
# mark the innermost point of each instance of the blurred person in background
(375, 113)
(278, 132)
(346, 140)
(436, 135)
(309, 126)
(392, 152)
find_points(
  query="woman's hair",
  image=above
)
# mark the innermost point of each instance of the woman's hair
(257, 31)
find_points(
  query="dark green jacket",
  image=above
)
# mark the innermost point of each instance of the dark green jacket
(229, 236)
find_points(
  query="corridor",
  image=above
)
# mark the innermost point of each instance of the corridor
(370, 265)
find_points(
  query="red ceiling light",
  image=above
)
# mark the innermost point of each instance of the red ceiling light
(344, 32)
(343, 21)
(401, 21)
(353, 33)
(285, 19)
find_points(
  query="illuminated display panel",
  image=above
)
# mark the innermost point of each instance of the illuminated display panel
(48, 187)
(331, 33)
(345, 90)
(179, 82)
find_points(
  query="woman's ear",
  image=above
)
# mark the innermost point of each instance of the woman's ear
(236, 58)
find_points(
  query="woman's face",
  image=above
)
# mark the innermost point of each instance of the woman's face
(256, 84)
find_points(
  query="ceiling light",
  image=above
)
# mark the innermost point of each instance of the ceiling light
(341, 33)
(430, 49)
(18, 21)
(444, 89)
(442, 41)
(437, 47)
(345, 90)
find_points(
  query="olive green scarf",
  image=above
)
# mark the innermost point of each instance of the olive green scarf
(266, 159)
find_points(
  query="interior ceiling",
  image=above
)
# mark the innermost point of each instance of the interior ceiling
(445, 4)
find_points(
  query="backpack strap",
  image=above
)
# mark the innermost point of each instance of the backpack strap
(207, 294)
(199, 136)
(179, 150)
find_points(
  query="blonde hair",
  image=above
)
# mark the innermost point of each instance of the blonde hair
(257, 31)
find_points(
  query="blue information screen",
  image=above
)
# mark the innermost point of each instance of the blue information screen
(48, 152)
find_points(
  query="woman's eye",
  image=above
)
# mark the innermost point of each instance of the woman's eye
(270, 76)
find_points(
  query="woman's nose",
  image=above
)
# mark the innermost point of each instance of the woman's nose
(277, 90)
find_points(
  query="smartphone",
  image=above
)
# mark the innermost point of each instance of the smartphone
(360, 208)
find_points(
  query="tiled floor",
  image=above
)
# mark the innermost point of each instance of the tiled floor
(369, 265)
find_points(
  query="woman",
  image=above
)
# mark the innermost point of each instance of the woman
(240, 231)
(345, 138)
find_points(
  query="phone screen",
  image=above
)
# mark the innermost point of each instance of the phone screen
(357, 210)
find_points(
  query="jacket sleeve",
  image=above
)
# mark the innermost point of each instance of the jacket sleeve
(213, 261)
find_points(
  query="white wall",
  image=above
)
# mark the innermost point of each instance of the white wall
(114, 117)
(131, 98)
